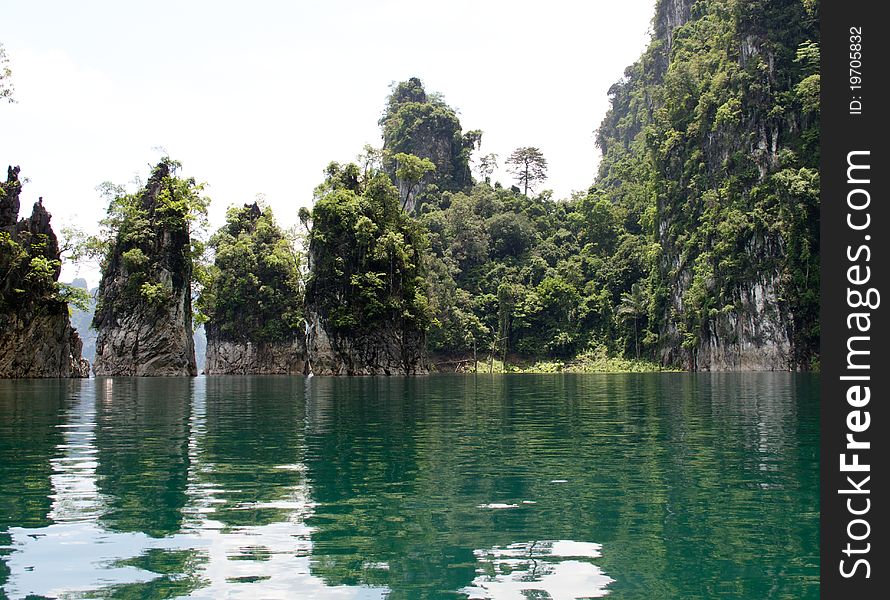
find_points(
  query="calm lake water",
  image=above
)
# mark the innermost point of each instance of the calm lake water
(448, 486)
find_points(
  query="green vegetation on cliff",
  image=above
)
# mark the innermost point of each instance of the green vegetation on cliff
(423, 125)
(252, 291)
(711, 150)
(138, 231)
(703, 218)
(365, 255)
(696, 246)
(30, 257)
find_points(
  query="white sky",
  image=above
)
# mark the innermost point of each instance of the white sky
(257, 97)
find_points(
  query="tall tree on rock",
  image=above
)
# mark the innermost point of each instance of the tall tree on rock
(529, 167)
(410, 171)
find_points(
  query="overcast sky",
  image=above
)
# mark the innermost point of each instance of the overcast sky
(256, 98)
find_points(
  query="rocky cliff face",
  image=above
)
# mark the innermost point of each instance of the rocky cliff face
(36, 337)
(719, 115)
(389, 350)
(248, 358)
(423, 125)
(144, 306)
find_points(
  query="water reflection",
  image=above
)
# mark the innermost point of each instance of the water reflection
(559, 570)
(29, 416)
(655, 486)
(142, 440)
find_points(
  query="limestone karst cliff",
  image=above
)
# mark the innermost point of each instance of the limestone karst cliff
(424, 126)
(712, 147)
(36, 337)
(253, 298)
(366, 306)
(144, 305)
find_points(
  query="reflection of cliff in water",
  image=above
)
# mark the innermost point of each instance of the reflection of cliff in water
(249, 448)
(412, 488)
(360, 459)
(142, 440)
(408, 477)
(728, 441)
(30, 414)
(249, 497)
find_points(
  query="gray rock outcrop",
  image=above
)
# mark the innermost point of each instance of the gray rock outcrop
(386, 351)
(138, 335)
(226, 357)
(36, 337)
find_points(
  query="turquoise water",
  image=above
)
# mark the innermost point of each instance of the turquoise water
(447, 486)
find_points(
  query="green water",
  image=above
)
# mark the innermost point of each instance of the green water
(525, 486)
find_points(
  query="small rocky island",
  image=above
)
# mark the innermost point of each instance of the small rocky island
(36, 337)
(252, 298)
(144, 304)
(365, 297)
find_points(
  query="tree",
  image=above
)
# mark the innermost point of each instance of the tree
(529, 167)
(6, 87)
(305, 216)
(486, 166)
(410, 172)
(633, 306)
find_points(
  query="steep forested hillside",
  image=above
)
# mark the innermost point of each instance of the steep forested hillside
(697, 246)
(711, 148)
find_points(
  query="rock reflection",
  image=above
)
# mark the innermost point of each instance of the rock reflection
(248, 493)
(696, 485)
(142, 440)
(31, 412)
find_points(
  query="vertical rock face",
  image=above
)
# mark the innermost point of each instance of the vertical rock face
(248, 358)
(36, 337)
(388, 350)
(253, 298)
(719, 122)
(144, 305)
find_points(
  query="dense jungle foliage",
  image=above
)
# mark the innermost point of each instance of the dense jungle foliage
(708, 185)
(706, 199)
(365, 255)
(711, 153)
(253, 289)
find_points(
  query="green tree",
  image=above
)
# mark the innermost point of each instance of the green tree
(486, 166)
(305, 216)
(634, 306)
(529, 167)
(410, 171)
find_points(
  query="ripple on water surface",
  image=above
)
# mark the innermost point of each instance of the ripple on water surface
(496, 487)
